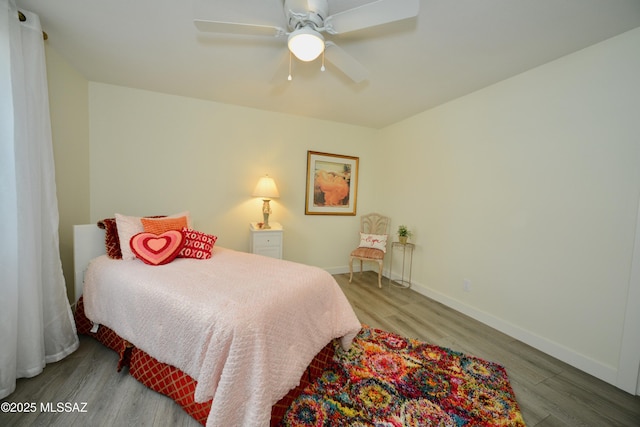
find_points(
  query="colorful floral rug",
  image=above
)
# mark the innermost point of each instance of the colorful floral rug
(386, 380)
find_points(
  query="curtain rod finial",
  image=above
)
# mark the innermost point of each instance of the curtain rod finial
(23, 18)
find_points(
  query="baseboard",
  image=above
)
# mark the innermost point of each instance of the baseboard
(338, 270)
(592, 367)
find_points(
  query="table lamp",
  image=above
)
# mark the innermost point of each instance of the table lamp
(266, 190)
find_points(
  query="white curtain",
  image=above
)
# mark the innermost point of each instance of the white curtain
(36, 324)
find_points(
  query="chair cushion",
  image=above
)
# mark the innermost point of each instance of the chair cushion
(369, 253)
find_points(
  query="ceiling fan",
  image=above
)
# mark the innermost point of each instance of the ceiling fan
(308, 20)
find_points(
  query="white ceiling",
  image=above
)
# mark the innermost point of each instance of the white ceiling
(452, 48)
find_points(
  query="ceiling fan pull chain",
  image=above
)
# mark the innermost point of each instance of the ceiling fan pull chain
(289, 78)
(322, 68)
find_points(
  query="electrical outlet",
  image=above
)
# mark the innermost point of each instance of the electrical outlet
(466, 285)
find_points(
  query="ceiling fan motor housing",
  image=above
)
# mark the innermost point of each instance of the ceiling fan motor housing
(302, 13)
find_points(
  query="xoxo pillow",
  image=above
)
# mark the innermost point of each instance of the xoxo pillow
(157, 249)
(197, 245)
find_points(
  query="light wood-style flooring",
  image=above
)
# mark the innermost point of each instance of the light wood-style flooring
(550, 392)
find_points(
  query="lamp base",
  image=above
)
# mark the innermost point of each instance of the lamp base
(266, 210)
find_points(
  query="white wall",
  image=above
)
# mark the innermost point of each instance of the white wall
(154, 154)
(69, 110)
(530, 189)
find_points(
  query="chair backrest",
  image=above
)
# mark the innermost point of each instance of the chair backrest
(374, 223)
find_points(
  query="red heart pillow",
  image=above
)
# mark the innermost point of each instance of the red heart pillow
(157, 249)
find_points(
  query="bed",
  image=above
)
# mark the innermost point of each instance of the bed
(232, 339)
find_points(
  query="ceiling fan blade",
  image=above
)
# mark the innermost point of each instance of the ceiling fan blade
(238, 28)
(371, 14)
(345, 62)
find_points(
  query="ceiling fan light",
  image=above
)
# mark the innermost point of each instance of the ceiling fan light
(306, 44)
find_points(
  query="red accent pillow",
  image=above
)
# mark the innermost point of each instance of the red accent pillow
(198, 244)
(111, 238)
(157, 249)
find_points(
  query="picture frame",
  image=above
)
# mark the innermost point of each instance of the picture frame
(332, 184)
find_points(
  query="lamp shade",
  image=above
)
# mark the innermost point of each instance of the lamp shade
(306, 44)
(266, 188)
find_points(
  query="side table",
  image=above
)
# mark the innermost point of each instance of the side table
(402, 283)
(267, 242)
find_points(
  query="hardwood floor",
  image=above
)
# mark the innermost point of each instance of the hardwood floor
(550, 393)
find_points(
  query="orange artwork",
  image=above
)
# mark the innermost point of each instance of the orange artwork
(331, 184)
(332, 188)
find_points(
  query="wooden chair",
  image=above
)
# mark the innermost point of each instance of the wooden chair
(371, 224)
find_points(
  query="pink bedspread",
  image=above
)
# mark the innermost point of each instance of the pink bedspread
(244, 326)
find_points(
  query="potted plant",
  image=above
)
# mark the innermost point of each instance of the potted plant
(403, 234)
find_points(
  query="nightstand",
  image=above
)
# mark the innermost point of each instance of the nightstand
(266, 242)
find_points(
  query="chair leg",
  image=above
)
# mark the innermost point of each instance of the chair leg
(380, 274)
(350, 269)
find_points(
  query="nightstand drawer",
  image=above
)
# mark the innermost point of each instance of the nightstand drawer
(270, 251)
(267, 239)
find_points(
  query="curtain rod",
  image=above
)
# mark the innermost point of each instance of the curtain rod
(23, 18)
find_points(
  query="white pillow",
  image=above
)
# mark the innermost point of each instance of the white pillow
(129, 226)
(376, 241)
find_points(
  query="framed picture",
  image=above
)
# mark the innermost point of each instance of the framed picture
(332, 184)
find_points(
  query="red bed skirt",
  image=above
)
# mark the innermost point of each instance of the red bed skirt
(177, 385)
